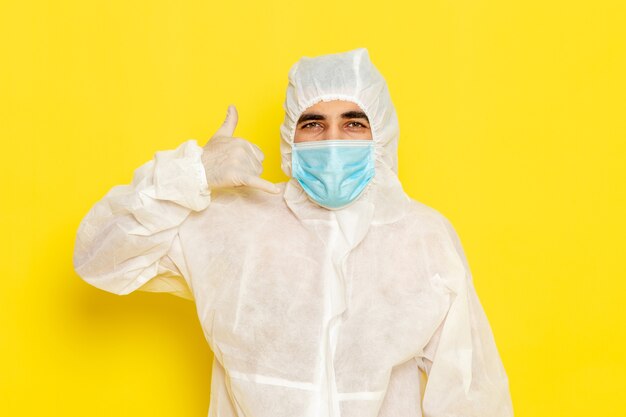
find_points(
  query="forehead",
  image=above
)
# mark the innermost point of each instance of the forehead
(332, 107)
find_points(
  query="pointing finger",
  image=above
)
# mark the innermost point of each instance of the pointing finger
(261, 184)
(228, 127)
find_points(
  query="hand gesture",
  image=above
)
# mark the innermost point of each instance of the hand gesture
(231, 162)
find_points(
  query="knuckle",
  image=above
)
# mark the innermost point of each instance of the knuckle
(238, 140)
(240, 153)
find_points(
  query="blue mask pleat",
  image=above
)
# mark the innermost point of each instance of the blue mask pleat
(333, 173)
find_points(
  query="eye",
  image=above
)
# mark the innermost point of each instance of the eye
(309, 125)
(358, 124)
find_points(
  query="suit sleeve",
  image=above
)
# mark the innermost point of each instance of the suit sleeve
(129, 239)
(465, 375)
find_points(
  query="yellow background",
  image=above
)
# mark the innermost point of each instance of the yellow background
(512, 119)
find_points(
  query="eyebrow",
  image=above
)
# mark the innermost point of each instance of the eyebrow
(347, 115)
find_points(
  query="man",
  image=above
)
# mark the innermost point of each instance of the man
(322, 296)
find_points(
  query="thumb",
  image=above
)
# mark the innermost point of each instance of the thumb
(228, 127)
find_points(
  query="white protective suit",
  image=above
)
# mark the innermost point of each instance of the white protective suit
(310, 312)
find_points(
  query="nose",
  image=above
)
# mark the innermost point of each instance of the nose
(332, 132)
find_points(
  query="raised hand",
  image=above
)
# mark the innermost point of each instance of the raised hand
(231, 161)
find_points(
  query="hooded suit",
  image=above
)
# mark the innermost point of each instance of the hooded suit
(309, 311)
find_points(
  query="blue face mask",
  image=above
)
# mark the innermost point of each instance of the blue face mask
(333, 172)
